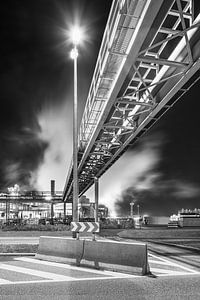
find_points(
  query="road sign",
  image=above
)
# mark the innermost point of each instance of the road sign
(85, 226)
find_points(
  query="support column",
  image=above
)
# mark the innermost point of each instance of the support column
(6, 211)
(96, 189)
(52, 195)
(64, 211)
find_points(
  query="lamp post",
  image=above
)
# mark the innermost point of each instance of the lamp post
(75, 35)
(74, 55)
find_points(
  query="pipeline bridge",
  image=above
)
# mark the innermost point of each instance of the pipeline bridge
(148, 59)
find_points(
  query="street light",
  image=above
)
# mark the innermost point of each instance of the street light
(75, 37)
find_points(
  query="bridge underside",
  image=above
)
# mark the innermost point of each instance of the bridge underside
(149, 58)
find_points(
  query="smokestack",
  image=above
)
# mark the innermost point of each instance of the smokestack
(52, 187)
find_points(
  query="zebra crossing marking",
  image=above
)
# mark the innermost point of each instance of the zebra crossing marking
(67, 266)
(42, 274)
(46, 276)
(162, 261)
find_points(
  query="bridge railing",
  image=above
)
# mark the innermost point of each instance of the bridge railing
(100, 85)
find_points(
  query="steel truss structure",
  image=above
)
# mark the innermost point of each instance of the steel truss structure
(149, 58)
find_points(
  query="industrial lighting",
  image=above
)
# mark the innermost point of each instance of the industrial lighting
(48, 198)
(76, 35)
(74, 53)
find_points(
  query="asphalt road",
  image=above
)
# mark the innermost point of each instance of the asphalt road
(175, 275)
(21, 278)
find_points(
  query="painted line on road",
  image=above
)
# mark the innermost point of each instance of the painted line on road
(160, 262)
(68, 280)
(28, 271)
(82, 269)
(181, 274)
(4, 281)
(170, 272)
(174, 264)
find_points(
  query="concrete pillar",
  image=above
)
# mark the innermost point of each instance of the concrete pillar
(52, 194)
(96, 190)
(64, 210)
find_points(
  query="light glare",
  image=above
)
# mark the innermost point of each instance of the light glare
(74, 53)
(76, 35)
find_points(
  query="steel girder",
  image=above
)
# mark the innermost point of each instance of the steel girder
(149, 52)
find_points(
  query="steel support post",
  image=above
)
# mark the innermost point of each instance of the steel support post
(52, 213)
(96, 188)
(64, 211)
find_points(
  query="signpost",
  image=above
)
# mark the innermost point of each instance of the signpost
(85, 227)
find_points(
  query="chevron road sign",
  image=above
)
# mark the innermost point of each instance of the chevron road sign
(85, 226)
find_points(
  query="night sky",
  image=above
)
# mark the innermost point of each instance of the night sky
(161, 172)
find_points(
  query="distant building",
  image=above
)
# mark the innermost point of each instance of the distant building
(86, 208)
(103, 211)
(155, 220)
(186, 218)
(14, 209)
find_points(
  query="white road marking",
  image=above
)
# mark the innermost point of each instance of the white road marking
(4, 281)
(66, 266)
(160, 262)
(182, 274)
(174, 264)
(52, 277)
(28, 271)
(165, 271)
(68, 280)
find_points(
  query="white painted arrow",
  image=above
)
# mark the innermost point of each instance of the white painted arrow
(83, 227)
(91, 227)
(74, 226)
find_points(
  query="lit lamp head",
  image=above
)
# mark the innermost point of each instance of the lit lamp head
(74, 53)
(76, 35)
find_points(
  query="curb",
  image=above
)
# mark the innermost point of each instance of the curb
(17, 254)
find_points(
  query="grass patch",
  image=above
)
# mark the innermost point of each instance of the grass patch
(35, 227)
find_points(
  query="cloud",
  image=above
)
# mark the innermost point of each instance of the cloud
(130, 170)
(162, 197)
(185, 190)
(56, 130)
(11, 172)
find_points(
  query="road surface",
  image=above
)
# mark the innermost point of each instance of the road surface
(175, 275)
(29, 278)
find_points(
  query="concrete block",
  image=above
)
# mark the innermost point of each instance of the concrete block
(117, 253)
(60, 247)
(107, 254)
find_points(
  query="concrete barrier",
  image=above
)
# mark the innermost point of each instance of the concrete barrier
(117, 253)
(63, 249)
(110, 254)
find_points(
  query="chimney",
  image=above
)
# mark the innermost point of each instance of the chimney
(52, 187)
